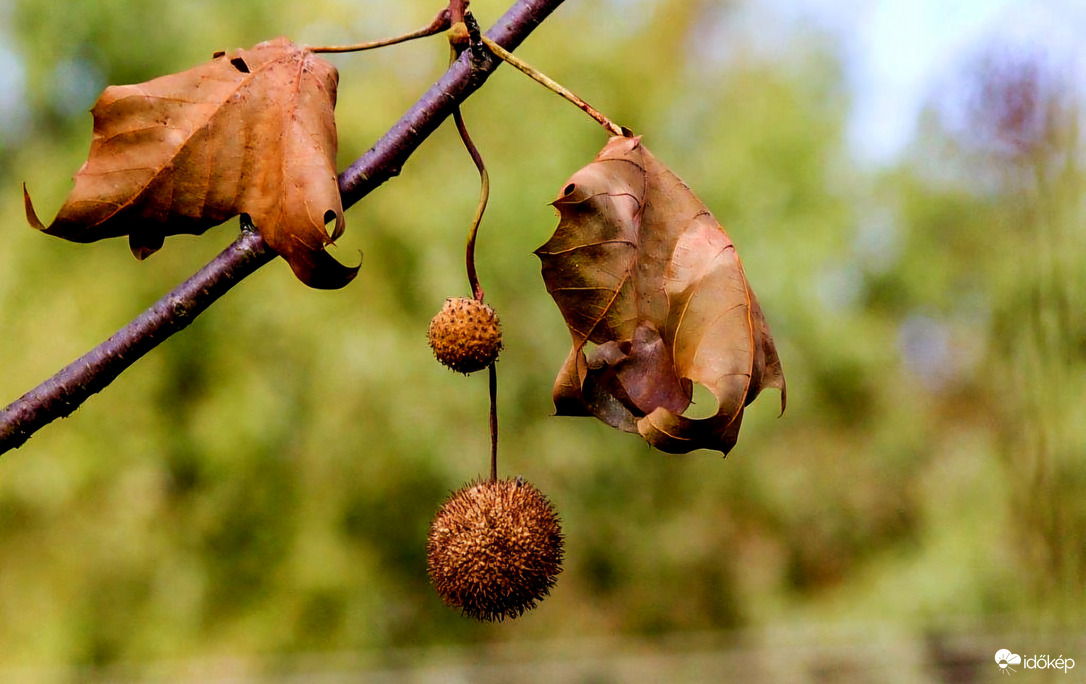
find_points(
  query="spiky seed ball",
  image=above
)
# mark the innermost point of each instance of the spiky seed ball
(465, 335)
(495, 549)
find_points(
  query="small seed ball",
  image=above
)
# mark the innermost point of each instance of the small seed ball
(495, 549)
(465, 335)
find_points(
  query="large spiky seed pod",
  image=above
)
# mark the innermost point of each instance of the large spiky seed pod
(495, 549)
(465, 335)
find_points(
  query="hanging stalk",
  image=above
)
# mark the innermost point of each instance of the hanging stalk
(465, 35)
(439, 24)
(484, 196)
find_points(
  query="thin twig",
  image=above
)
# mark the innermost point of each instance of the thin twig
(61, 394)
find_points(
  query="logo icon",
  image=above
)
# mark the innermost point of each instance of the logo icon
(1005, 659)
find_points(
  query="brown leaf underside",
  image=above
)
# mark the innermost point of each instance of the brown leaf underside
(250, 132)
(640, 269)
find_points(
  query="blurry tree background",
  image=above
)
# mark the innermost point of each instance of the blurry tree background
(252, 498)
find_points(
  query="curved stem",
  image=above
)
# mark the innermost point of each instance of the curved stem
(484, 196)
(464, 19)
(473, 279)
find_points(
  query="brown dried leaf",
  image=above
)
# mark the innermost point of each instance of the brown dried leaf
(250, 132)
(640, 268)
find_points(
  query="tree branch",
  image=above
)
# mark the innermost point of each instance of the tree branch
(63, 393)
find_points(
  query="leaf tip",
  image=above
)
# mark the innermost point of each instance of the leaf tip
(31, 215)
(321, 271)
(144, 245)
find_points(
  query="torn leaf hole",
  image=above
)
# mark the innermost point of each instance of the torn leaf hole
(703, 404)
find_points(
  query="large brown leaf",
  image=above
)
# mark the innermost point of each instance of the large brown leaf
(250, 132)
(640, 269)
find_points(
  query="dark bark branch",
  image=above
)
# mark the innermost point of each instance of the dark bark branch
(61, 394)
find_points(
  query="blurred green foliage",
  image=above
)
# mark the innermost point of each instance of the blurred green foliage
(260, 486)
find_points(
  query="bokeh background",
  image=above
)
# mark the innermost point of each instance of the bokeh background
(905, 185)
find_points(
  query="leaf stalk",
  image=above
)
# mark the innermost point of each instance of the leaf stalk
(439, 24)
(555, 86)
